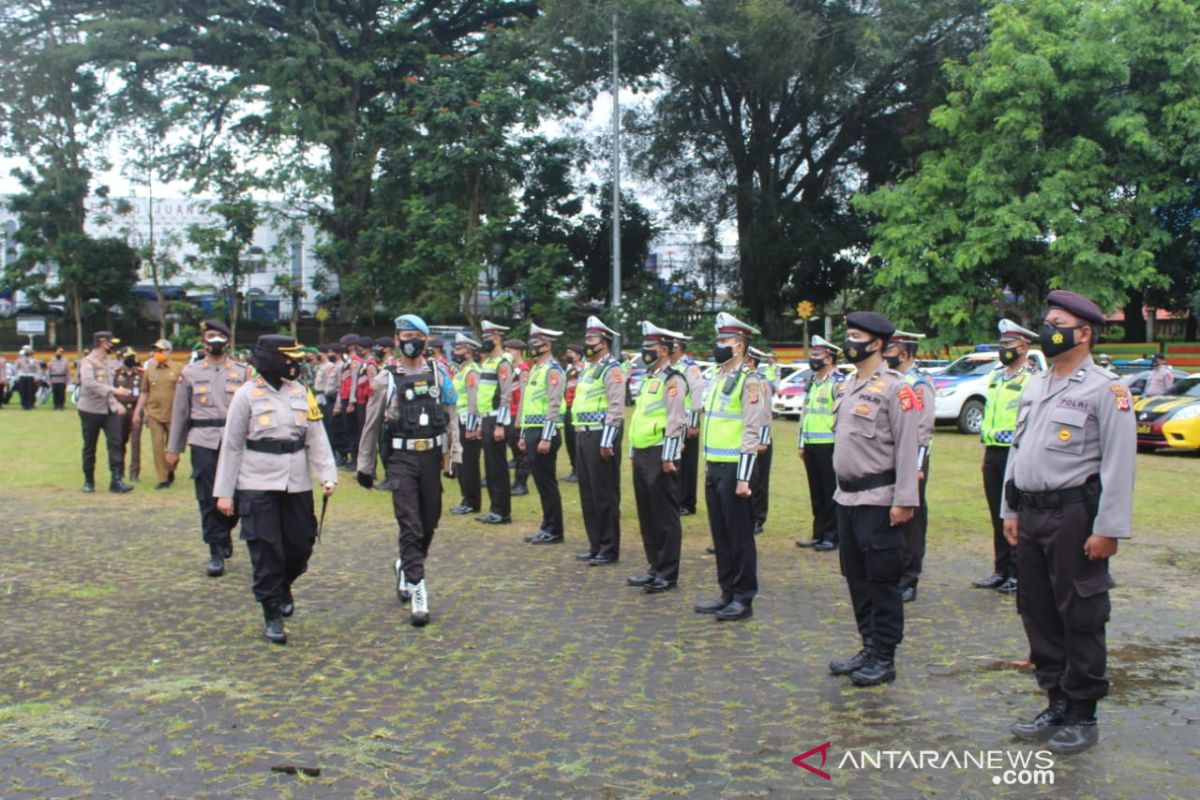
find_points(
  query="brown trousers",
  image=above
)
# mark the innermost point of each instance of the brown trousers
(158, 444)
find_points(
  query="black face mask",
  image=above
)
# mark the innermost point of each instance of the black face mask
(215, 347)
(458, 358)
(570, 360)
(722, 353)
(856, 351)
(816, 364)
(273, 366)
(1009, 355)
(378, 353)
(649, 355)
(893, 362)
(131, 362)
(1056, 340)
(488, 346)
(539, 351)
(589, 350)
(411, 348)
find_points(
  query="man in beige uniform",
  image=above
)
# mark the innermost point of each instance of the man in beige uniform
(100, 406)
(154, 405)
(1068, 500)
(202, 396)
(876, 425)
(58, 374)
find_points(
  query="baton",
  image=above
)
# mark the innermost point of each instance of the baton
(321, 522)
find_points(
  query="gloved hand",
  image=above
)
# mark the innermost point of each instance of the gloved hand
(364, 480)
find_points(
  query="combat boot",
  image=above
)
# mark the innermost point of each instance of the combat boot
(847, 665)
(1045, 724)
(879, 668)
(216, 561)
(420, 604)
(1079, 729)
(288, 606)
(274, 628)
(403, 590)
(118, 486)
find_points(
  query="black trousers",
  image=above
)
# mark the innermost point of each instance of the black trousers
(495, 459)
(914, 538)
(521, 472)
(279, 529)
(570, 440)
(731, 519)
(216, 528)
(59, 392)
(822, 483)
(689, 472)
(27, 388)
(760, 485)
(995, 459)
(1063, 601)
(335, 429)
(91, 425)
(544, 469)
(872, 556)
(468, 471)
(599, 493)
(657, 495)
(416, 483)
(355, 422)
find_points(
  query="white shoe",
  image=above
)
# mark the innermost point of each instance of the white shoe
(403, 590)
(420, 604)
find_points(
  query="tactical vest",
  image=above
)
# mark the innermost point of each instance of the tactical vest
(723, 420)
(1000, 413)
(590, 406)
(460, 388)
(817, 425)
(488, 396)
(536, 403)
(649, 421)
(418, 398)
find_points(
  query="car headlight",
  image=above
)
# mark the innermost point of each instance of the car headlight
(1187, 412)
(947, 392)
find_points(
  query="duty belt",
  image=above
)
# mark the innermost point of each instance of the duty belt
(418, 445)
(275, 446)
(868, 482)
(1057, 498)
(207, 423)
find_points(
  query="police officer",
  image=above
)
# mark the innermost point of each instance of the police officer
(495, 400)
(1068, 500)
(198, 410)
(737, 419)
(876, 431)
(598, 410)
(815, 440)
(573, 360)
(1005, 386)
(100, 407)
(412, 422)
(273, 441)
(28, 373)
(901, 356)
(656, 435)
(470, 422)
(58, 373)
(542, 391)
(693, 406)
(517, 354)
(760, 484)
(129, 376)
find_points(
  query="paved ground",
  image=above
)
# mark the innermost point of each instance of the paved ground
(124, 672)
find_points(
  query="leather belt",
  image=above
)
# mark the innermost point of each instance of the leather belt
(866, 482)
(275, 446)
(1057, 498)
(207, 423)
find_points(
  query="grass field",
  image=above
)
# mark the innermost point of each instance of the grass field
(125, 672)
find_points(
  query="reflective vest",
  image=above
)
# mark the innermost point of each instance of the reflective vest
(683, 365)
(817, 425)
(487, 398)
(1000, 413)
(460, 387)
(536, 402)
(723, 420)
(649, 421)
(590, 404)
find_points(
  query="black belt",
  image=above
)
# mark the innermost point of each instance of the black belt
(275, 446)
(207, 423)
(1057, 498)
(868, 482)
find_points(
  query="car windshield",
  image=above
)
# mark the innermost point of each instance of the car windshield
(969, 366)
(1188, 387)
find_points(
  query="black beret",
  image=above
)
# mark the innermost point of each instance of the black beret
(365, 341)
(1075, 304)
(348, 339)
(337, 348)
(214, 325)
(871, 322)
(514, 344)
(98, 335)
(275, 341)
(437, 343)
(575, 348)
(383, 341)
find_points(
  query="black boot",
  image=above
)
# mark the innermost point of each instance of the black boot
(879, 668)
(1079, 730)
(118, 486)
(847, 665)
(713, 606)
(216, 561)
(288, 606)
(1045, 724)
(227, 549)
(274, 629)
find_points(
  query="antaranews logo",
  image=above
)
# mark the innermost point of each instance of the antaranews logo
(1008, 767)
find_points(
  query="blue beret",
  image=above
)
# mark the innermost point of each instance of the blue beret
(411, 322)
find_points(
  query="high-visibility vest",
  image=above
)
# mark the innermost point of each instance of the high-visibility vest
(590, 405)
(1000, 413)
(723, 420)
(489, 383)
(649, 421)
(816, 427)
(460, 387)
(536, 403)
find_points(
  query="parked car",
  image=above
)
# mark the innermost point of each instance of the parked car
(789, 396)
(1136, 381)
(1179, 408)
(962, 388)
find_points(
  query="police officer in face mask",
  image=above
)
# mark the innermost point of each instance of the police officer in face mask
(1068, 500)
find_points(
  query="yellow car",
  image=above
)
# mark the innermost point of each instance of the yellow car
(1171, 419)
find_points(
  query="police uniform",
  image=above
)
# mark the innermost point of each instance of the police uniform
(412, 422)
(815, 441)
(693, 406)
(736, 417)
(876, 434)
(520, 464)
(1069, 477)
(203, 393)
(915, 529)
(494, 399)
(273, 441)
(999, 421)
(470, 426)
(760, 483)
(58, 373)
(27, 373)
(540, 413)
(100, 408)
(128, 376)
(572, 369)
(598, 410)
(656, 437)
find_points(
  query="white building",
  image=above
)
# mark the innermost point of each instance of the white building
(684, 252)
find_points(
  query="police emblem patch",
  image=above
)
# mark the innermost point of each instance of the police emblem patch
(1064, 435)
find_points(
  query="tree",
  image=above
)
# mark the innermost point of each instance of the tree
(1064, 141)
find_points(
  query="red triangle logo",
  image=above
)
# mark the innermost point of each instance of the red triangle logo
(799, 760)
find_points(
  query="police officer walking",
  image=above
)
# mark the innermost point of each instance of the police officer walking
(876, 431)
(815, 441)
(1005, 386)
(901, 356)
(1068, 500)
(737, 421)
(101, 407)
(656, 434)
(693, 406)
(412, 423)
(470, 423)
(58, 373)
(598, 412)
(273, 441)
(198, 411)
(542, 391)
(494, 400)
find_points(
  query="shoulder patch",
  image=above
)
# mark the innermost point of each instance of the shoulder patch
(1121, 396)
(908, 398)
(471, 379)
